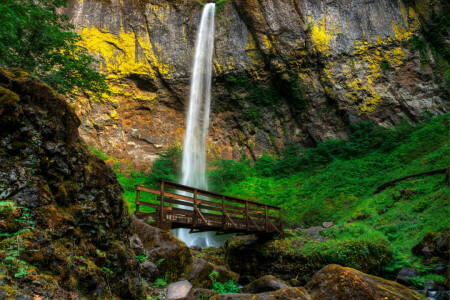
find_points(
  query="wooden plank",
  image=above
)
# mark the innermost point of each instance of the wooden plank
(213, 195)
(161, 204)
(200, 215)
(148, 204)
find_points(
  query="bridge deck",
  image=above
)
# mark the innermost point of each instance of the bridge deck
(180, 206)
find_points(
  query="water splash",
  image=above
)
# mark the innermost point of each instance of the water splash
(193, 166)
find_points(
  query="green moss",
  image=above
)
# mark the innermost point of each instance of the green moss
(8, 99)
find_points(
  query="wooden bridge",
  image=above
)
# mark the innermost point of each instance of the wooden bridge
(180, 206)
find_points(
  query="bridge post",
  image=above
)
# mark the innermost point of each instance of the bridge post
(224, 220)
(194, 218)
(161, 204)
(138, 196)
(267, 223)
(281, 220)
(246, 216)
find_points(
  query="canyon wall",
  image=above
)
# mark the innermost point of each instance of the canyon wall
(284, 70)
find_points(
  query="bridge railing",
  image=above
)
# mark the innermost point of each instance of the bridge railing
(201, 210)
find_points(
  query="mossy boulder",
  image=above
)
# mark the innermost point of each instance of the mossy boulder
(173, 254)
(265, 284)
(286, 293)
(201, 274)
(433, 245)
(63, 221)
(336, 282)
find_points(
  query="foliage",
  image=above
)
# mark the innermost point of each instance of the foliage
(335, 180)
(225, 288)
(142, 257)
(34, 36)
(160, 283)
(164, 167)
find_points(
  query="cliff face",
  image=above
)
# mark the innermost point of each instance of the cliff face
(283, 70)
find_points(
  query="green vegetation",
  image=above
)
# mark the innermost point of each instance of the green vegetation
(35, 37)
(335, 180)
(222, 288)
(165, 167)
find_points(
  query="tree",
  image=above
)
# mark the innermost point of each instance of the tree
(38, 39)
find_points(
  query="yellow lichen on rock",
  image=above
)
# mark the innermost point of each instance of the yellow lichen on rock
(320, 35)
(124, 54)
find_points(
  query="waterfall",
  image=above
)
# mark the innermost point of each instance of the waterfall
(193, 168)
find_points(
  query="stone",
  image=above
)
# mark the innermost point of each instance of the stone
(281, 294)
(433, 245)
(265, 284)
(196, 247)
(136, 244)
(149, 270)
(178, 290)
(327, 224)
(336, 282)
(173, 253)
(199, 273)
(404, 275)
(293, 28)
(382, 211)
(200, 294)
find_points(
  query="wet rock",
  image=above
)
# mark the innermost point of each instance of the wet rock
(336, 282)
(265, 284)
(404, 275)
(178, 290)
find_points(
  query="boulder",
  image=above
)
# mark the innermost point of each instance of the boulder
(136, 244)
(197, 294)
(149, 270)
(336, 282)
(265, 284)
(199, 273)
(433, 244)
(159, 244)
(404, 275)
(282, 294)
(327, 224)
(178, 290)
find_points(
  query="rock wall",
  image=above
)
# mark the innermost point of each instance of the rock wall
(297, 70)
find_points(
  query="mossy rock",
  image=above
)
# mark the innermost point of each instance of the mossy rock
(336, 282)
(159, 244)
(201, 274)
(8, 98)
(286, 293)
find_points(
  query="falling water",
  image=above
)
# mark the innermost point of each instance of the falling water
(193, 167)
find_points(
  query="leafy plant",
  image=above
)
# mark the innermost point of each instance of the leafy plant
(34, 36)
(225, 288)
(160, 283)
(142, 257)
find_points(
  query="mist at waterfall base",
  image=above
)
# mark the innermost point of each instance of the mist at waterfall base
(193, 166)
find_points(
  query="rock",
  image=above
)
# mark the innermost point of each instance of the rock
(136, 244)
(433, 244)
(363, 217)
(282, 294)
(295, 33)
(336, 282)
(149, 270)
(199, 273)
(404, 275)
(431, 285)
(159, 244)
(200, 294)
(265, 284)
(178, 290)
(382, 211)
(196, 247)
(327, 224)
